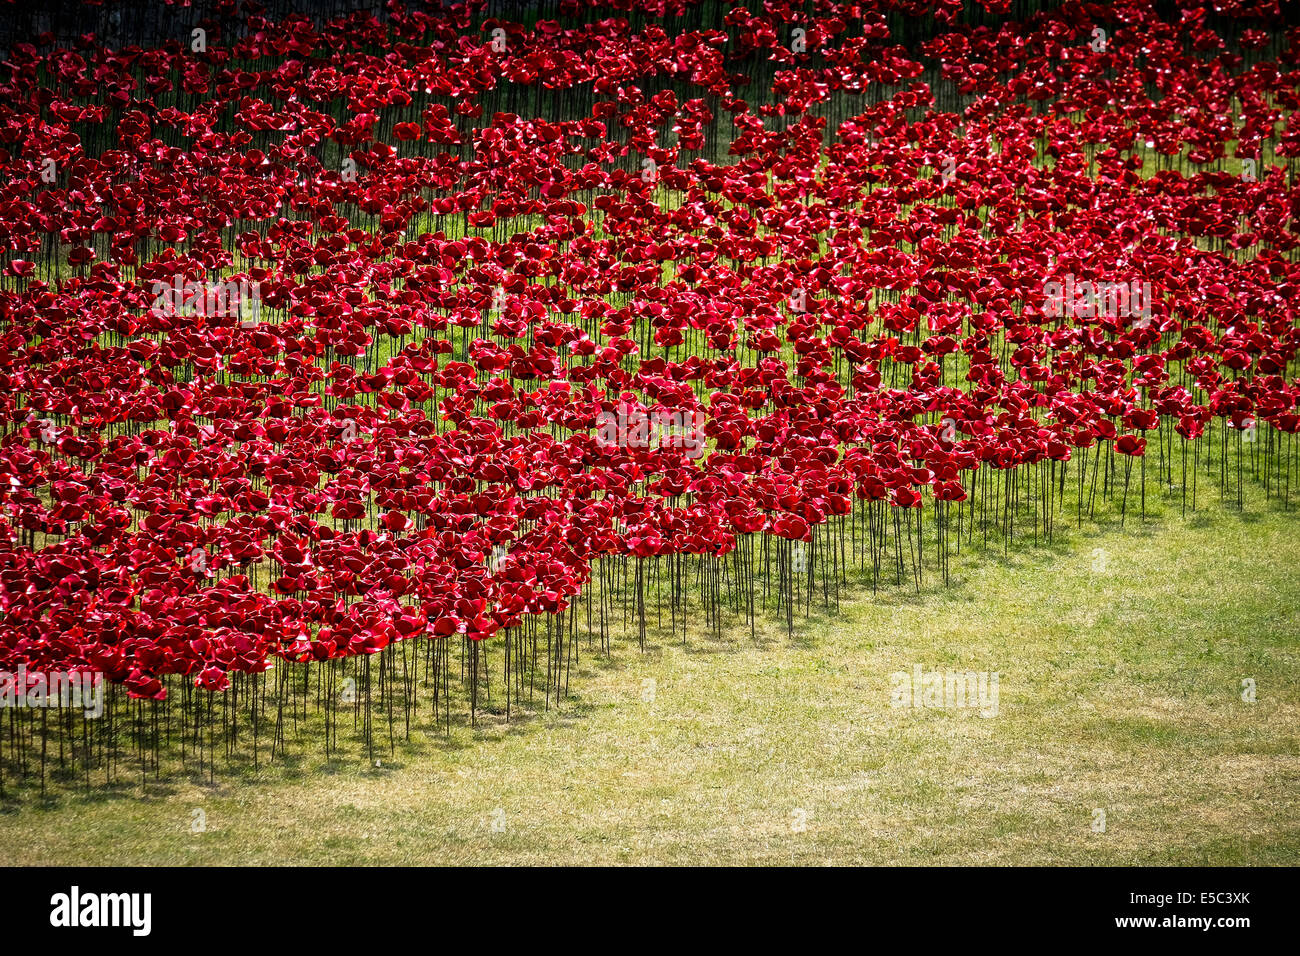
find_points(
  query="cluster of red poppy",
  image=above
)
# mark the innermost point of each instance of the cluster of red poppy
(469, 238)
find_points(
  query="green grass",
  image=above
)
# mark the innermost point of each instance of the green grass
(1120, 689)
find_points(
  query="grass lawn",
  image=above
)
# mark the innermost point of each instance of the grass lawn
(1121, 657)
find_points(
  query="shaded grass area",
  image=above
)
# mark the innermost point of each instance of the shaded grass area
(1121, 656)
